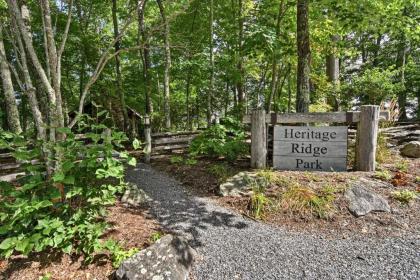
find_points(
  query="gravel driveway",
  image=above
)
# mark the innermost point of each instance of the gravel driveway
(232, 247)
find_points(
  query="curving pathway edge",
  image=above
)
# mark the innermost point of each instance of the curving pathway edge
(229, 246)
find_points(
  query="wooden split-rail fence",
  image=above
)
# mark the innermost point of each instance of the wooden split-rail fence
(162, 144)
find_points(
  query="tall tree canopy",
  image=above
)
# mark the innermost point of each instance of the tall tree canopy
(185, 62)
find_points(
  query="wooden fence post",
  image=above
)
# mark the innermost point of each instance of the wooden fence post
(367, 138)
(147, 139)
(258, 140)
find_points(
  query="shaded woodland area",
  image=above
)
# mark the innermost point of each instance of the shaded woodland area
(88, 87)
(185, 63)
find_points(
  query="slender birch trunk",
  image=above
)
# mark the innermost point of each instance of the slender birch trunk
(118, 80)
(145, 54)
(8, 90)
(166, 79)
(240, 67)
(211, 46)
(29, 88)
(275, 67)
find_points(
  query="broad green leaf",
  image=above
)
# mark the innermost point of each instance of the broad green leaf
(136, 144)
(8, 243)
(58, 177)
(132, 161)
(69, 180)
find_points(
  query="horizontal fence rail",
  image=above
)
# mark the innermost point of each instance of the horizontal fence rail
(329, 117)
(163, 144)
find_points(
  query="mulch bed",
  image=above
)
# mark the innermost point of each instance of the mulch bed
(198, 177)
(403, 219)
(132, 227)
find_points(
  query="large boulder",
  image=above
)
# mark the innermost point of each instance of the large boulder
(362, 200)
(135, 196)
(169, 258)
(241, 184)
(411, 149)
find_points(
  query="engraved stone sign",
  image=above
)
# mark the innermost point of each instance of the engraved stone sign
(310, 148)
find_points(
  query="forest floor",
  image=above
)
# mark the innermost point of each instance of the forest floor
(204, 177)
(230, 245)
(133, 228)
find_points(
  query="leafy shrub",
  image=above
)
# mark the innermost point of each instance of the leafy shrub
(373, 85)
(118, 254)
(60, 202)
(404, 196)
(221, 140)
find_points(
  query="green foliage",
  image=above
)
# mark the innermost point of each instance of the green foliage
(222, 140)
(402, 165)
(61, 200)
(383, 153)
(384, 175)
(180, 160)
(156, 236)
(258, 204)
(190, 161)
(373, 86)
(404, 196)
(46, 276)
(118, 254)
(176, 159)
(221, 171)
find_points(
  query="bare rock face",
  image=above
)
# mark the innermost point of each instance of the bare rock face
(169, 258)
(135, 196)
(241, 184)
(362, 201)
(411, 149)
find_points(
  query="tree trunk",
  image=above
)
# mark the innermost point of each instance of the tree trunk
(304, 55)
(402, 95)
(29, 90)
(21, 19)
(240, 67)
(118, 80)
(275, 68)
(333, 75)
(289, 92)
(166, 79)
(8, 90)
(53, 61)
(211, 46)
(145, 56)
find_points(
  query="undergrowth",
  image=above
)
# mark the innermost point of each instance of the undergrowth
(221, 140)
(302, 200)
(60, 202)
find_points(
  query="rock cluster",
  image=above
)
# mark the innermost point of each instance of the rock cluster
(169, 258)
(362, 200)
(134, 196)
(411, 149)
(241, 184)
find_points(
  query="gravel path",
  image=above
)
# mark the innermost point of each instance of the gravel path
(232, 247)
